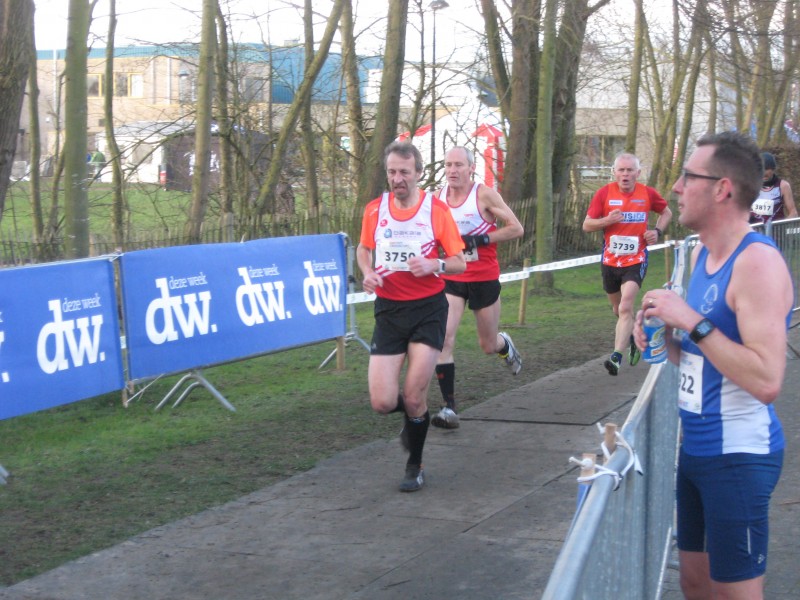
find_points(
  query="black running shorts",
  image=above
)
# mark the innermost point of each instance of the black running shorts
(399, 322)
(614, 277)
(478, 294)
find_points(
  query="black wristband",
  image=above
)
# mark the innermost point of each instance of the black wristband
(701, 330)
(658, 232)
(475, 241)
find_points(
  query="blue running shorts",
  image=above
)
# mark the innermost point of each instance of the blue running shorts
(723, 508)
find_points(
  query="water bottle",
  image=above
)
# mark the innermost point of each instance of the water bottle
(656, 350)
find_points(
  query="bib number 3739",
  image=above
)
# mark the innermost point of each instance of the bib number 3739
(622, 245)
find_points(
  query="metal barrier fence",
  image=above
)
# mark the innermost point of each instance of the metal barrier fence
(786, 234)
(620, 541)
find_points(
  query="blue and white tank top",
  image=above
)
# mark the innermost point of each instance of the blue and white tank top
(718, 416)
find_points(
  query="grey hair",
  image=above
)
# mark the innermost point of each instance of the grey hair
(627, 155)
(406, 150)
(468, 152)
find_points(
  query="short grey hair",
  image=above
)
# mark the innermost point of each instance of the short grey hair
(627, 155)
(470, 155)
(406, 150)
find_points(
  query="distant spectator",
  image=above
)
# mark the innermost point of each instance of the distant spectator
(775, 201)
(97, 162)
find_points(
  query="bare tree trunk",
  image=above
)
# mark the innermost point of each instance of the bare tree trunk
(686, 126)
(495, 46)
(636, 77)
(569, 46)
(226, 161)
(544, 147)
(713, 95)
(120, 210)
(779, 98)
(53, 222)
(662, 172)
(16, 30)
(36, 144)
(520, 105)
(738, 60)
(202, 131)
(763, 73)
(654, 87)
(306, 126)
(76, 197)
(373, 175)
(266, 197)
(355, 116)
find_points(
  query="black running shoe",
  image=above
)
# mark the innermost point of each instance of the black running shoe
(612, 365)
(413, 480)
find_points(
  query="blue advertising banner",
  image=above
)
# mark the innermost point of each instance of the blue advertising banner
(194, 306)
(59, 335)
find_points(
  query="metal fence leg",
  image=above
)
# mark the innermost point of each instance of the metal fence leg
(197, 380)
(352, 333)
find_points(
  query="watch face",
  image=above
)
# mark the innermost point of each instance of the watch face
(704, 328)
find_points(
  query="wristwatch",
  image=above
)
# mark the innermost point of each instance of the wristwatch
(701, 330)
(442, 266)
(659, 233)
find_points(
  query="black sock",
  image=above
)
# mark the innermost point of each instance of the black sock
(506, 348)
(417, 432)
(446, 375)
(401, 407)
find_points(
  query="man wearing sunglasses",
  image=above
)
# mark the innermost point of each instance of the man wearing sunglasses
(621, 210)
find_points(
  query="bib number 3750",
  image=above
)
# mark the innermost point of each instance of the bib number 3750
(394, 255)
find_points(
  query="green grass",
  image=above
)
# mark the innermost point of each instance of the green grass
(94, 473)
(151, 208)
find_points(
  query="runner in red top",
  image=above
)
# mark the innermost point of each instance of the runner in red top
(402, 234)
(621, 210)
(476, 209)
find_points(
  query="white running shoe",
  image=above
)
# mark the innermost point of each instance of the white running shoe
(446, 418)
(513, 359)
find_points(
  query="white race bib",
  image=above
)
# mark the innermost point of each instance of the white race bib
(763, 206)
(622, 245)
(471, 255)
(393, 255)
(690, 393)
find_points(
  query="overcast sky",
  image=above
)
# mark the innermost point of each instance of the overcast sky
(162, 21)
(459, 27)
